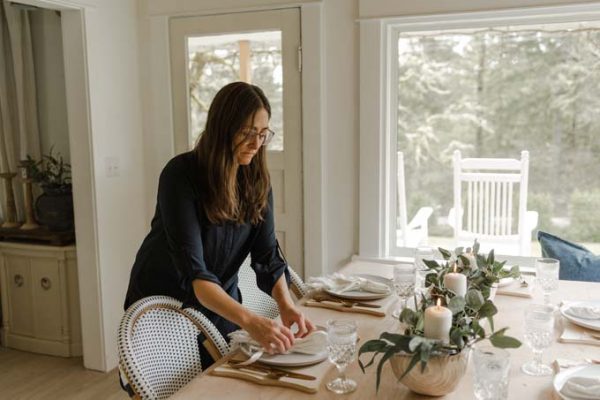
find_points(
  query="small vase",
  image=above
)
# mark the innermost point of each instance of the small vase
(441, 376)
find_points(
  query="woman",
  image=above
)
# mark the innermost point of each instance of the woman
(214, 207)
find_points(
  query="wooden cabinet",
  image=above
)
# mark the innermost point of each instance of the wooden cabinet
(40, 299)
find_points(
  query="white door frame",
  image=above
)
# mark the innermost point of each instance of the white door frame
(80, 147)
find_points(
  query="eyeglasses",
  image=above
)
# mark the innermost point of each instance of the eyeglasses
(264, 136)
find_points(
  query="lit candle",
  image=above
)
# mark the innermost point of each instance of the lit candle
(456, 282)
(438, 321)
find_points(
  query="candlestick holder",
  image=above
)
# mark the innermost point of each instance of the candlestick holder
(10, 218)
(30, 222)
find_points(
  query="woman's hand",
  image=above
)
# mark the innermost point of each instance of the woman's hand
(290, 315)
(272, 336)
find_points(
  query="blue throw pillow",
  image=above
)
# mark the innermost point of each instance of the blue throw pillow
(576, 262)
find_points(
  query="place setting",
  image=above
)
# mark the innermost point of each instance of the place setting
(303, 367)
(360, 293)
(573, 379)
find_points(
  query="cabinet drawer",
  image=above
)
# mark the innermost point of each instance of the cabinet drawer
(47, 296)
(20, 305)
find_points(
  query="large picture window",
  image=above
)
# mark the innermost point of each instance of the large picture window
(492, 93)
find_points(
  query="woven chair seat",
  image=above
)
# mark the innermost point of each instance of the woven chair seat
(158, 346)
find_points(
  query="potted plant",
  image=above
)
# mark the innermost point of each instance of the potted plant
(54, 207)
(443, 362)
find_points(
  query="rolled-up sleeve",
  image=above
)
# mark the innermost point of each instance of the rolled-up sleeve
(267, 262)
(178, 208)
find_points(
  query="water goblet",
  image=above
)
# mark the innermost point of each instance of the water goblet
(341, 348)
(492, 367)
(539, 333)
(404, 285)
(547, 276)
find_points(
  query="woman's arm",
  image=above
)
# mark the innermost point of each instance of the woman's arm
(269, 333)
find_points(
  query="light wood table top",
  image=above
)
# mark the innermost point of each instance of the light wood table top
(510, 314)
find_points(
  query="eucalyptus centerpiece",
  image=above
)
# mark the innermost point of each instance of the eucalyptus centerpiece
(443, 358)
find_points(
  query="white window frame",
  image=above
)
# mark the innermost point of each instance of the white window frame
(378, 77)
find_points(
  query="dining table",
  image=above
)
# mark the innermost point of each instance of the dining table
(510, 314)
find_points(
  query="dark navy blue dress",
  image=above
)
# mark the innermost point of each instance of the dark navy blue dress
(183, 245)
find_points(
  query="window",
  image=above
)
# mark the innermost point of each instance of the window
(489, 88)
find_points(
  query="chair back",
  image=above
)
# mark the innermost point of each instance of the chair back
(487, 204)
(255, 299)
(158, 346)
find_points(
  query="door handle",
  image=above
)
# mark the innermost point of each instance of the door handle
(45, 283)
(19, 280)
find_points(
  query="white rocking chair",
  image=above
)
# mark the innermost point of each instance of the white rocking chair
(414, 233)
(489, 217)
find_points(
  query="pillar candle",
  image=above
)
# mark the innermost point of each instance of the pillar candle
(438, 321)
(456, 282)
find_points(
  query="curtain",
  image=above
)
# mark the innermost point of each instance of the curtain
(19, 133)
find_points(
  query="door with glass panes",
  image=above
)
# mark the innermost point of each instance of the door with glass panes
(262, 48)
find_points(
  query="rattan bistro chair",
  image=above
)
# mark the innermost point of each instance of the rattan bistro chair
(256, 300)
(158, 346)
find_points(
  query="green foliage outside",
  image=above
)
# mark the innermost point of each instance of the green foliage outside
(585, 216)
(494, 93)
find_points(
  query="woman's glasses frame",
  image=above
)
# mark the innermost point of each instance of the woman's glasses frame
(264, 136)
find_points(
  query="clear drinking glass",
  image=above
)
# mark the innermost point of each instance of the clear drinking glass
(341, 347)
(539, 333)
(404, 285)
(422, 253)
(492, 367)
(547, 276)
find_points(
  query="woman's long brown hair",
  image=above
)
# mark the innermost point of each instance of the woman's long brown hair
(232, 192)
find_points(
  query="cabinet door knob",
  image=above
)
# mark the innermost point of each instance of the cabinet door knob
(46, 284)
(19, 280)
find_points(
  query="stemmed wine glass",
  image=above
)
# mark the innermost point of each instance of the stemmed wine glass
(539, 333)
(547, 276)
(404, 285)
(341, 348)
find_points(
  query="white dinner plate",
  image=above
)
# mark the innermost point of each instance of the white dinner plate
(588, 371)
(593, 324)
(505, 281)
(360, 295)
(288, 360)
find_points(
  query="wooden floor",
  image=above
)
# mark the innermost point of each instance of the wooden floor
(33, 376)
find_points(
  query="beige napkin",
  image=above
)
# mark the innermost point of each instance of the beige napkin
(345, 283)
(516, 289)
(580, 387)
(577, 334)
(309, 386)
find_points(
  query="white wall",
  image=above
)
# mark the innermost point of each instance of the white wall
(112, 44)
(341, 121)
(46, 37)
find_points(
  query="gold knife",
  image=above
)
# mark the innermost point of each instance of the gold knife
(268, 369)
